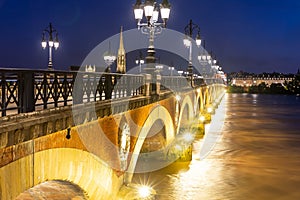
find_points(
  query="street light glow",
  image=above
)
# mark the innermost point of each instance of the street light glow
(138, 12)
(178, 147)
(155, 15)
(165, 10)
(198, 40)
(144, 191)
(188, 137)
(44, 44)
(50, 43)
(165, 13)
(149, 8)
(202, 118)
(209, 109)
(187, 42)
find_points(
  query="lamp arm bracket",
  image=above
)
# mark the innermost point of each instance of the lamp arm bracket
(53, 31)
(146, 29)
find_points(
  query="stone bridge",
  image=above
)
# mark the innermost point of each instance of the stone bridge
(97, 146)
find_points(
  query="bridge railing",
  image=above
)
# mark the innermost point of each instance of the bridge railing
(28, 90)
(174, 83)
(25, 91)
(180, 83)
(92, 87)
(10, 91)
(199, 82)
(211, 81)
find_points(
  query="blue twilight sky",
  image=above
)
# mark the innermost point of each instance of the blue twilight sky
(248, 35)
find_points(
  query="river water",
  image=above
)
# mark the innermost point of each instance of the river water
(254, 154)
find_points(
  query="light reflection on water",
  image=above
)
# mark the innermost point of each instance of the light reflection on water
(257, 157)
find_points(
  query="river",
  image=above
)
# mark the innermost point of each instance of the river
(254, 154)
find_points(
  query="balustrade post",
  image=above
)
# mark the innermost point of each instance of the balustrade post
(26, 92)
(78, 89)
(45, 84)
(158, 81)
(147, 78)
(65, 90)
(55, 86)
(129, 87)
(3, 94)
(108, 86)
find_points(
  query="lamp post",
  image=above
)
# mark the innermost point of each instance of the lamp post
(171, 70)
(109, 59)
(51, 43)
(140, 61)
(159, 68)
(180, 72)
(189, 30)
(204, 57)
(151, 26)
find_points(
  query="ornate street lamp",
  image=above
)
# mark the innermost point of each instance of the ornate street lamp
(51, 43)
(189, 30)
(109, 59)
(159, 68)
(206, 58)
(151, 11)
(171, 70)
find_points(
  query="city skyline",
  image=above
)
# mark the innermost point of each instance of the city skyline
(255, 36)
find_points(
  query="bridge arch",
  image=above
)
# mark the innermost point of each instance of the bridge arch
(82, 168)
(210, 94)
(158, 113)
(206, 97)
(54, 189)
(186, 111)
(200, 100)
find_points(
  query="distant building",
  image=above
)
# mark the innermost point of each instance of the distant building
(252, 81)
(90, 68)
(245, 79)
(121, 60)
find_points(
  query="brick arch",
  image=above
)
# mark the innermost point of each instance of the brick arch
(186, 104)
(212, 93)
(206, 96)
(158, 113)
(200, 100)
(66, 164)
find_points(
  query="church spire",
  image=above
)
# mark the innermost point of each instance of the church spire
(121, 61)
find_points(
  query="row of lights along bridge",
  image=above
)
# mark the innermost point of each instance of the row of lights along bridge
(152, 26)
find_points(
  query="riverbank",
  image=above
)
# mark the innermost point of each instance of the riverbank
(262, 89)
